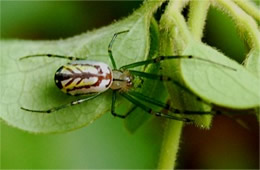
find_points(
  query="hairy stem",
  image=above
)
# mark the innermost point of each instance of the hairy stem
(175, 21)
(249, 7)
(197, 17)
(170, 144)
(245, 22)
(172, 23)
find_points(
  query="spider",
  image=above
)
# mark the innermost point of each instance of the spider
(92, 78)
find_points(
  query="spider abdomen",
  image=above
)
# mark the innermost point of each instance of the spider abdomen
(83, 77)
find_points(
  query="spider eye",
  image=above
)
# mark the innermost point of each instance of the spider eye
(129, 80)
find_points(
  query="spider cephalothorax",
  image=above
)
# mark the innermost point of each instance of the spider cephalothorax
(122, 80)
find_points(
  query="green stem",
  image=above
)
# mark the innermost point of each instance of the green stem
(170, 144)
(174, 23)
(245, 22)
(249, 7)
(174, 34)
(197, 17)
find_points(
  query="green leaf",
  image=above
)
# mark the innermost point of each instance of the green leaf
(211, 82)
(252, 63)
(29, 83)
(219, 85)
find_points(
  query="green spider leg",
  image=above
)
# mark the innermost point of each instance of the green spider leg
(110, 53)
(146, 75)
(52, 56)
(166, 106)
(150, 110)
(76, 58)
(166, 78)
(155, 77)
(113, 112)
(136, 97)
(54, 109)
(160, 78)
(161, 58)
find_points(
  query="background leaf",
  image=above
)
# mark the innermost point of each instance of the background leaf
(218, 85)
(29, 83)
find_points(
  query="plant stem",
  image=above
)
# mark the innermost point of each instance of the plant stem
(170, 144)
(249, 7)
(197, 17)
(245, 22)
(173, 22)
(172, 26)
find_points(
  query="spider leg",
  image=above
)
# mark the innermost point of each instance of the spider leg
(54, 109)
(111, 45)
(165, 106)
(113, 107)
(162, 78)
(151, 111)
(51, 56)
(161, 58)
(114, 93)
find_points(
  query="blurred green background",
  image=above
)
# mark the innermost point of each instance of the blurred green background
(106, 143)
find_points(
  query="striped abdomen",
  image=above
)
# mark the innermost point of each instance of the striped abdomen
(83, 77)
